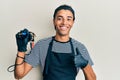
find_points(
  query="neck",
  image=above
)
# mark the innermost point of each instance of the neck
(62, 38)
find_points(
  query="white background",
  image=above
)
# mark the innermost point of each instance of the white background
(97, 25)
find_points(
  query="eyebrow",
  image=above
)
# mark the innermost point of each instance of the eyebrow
(67, 16)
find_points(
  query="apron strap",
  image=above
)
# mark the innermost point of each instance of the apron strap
(47, 60)
(72, 47)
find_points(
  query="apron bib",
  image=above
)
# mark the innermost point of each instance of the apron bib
(59, 66)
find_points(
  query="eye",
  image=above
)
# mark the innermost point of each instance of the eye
(69, 19)
(59, 18)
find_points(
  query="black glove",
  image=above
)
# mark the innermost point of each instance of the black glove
(22, 39)
(79, 60)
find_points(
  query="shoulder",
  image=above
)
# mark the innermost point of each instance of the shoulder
(83, 50)
(76, 42)
(45, 40)
(79, 45)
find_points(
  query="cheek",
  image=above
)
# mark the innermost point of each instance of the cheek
(55, 23)
(72, 23)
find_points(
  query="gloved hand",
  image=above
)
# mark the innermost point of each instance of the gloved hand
(22, 39)
(79, 60)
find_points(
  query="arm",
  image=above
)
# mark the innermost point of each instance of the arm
(89, 73)
(23, 69)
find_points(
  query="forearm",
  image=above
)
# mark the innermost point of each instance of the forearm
(89, 73)
(19, 68)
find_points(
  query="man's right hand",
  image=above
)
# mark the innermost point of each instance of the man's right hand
(22, 39)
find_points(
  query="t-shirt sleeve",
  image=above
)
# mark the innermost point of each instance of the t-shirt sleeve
(33, 58)
(83, 50)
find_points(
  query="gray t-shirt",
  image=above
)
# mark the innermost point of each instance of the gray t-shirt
(38, 54)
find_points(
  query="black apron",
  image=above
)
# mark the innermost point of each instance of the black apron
(59, 66)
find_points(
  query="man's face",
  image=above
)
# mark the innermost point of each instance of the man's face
(63, 22)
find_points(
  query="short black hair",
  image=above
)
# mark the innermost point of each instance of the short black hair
(65, 7)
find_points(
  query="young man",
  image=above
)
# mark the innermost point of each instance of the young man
(59, 56)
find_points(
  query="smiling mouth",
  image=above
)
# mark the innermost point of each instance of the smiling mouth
(63, 28)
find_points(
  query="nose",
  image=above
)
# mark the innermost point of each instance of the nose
(64, 22)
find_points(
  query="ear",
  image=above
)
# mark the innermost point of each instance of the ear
(53, 21)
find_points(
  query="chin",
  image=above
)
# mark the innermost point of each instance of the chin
(63, 34)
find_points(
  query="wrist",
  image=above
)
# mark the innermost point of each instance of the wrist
(21, 54)
(20, 57)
